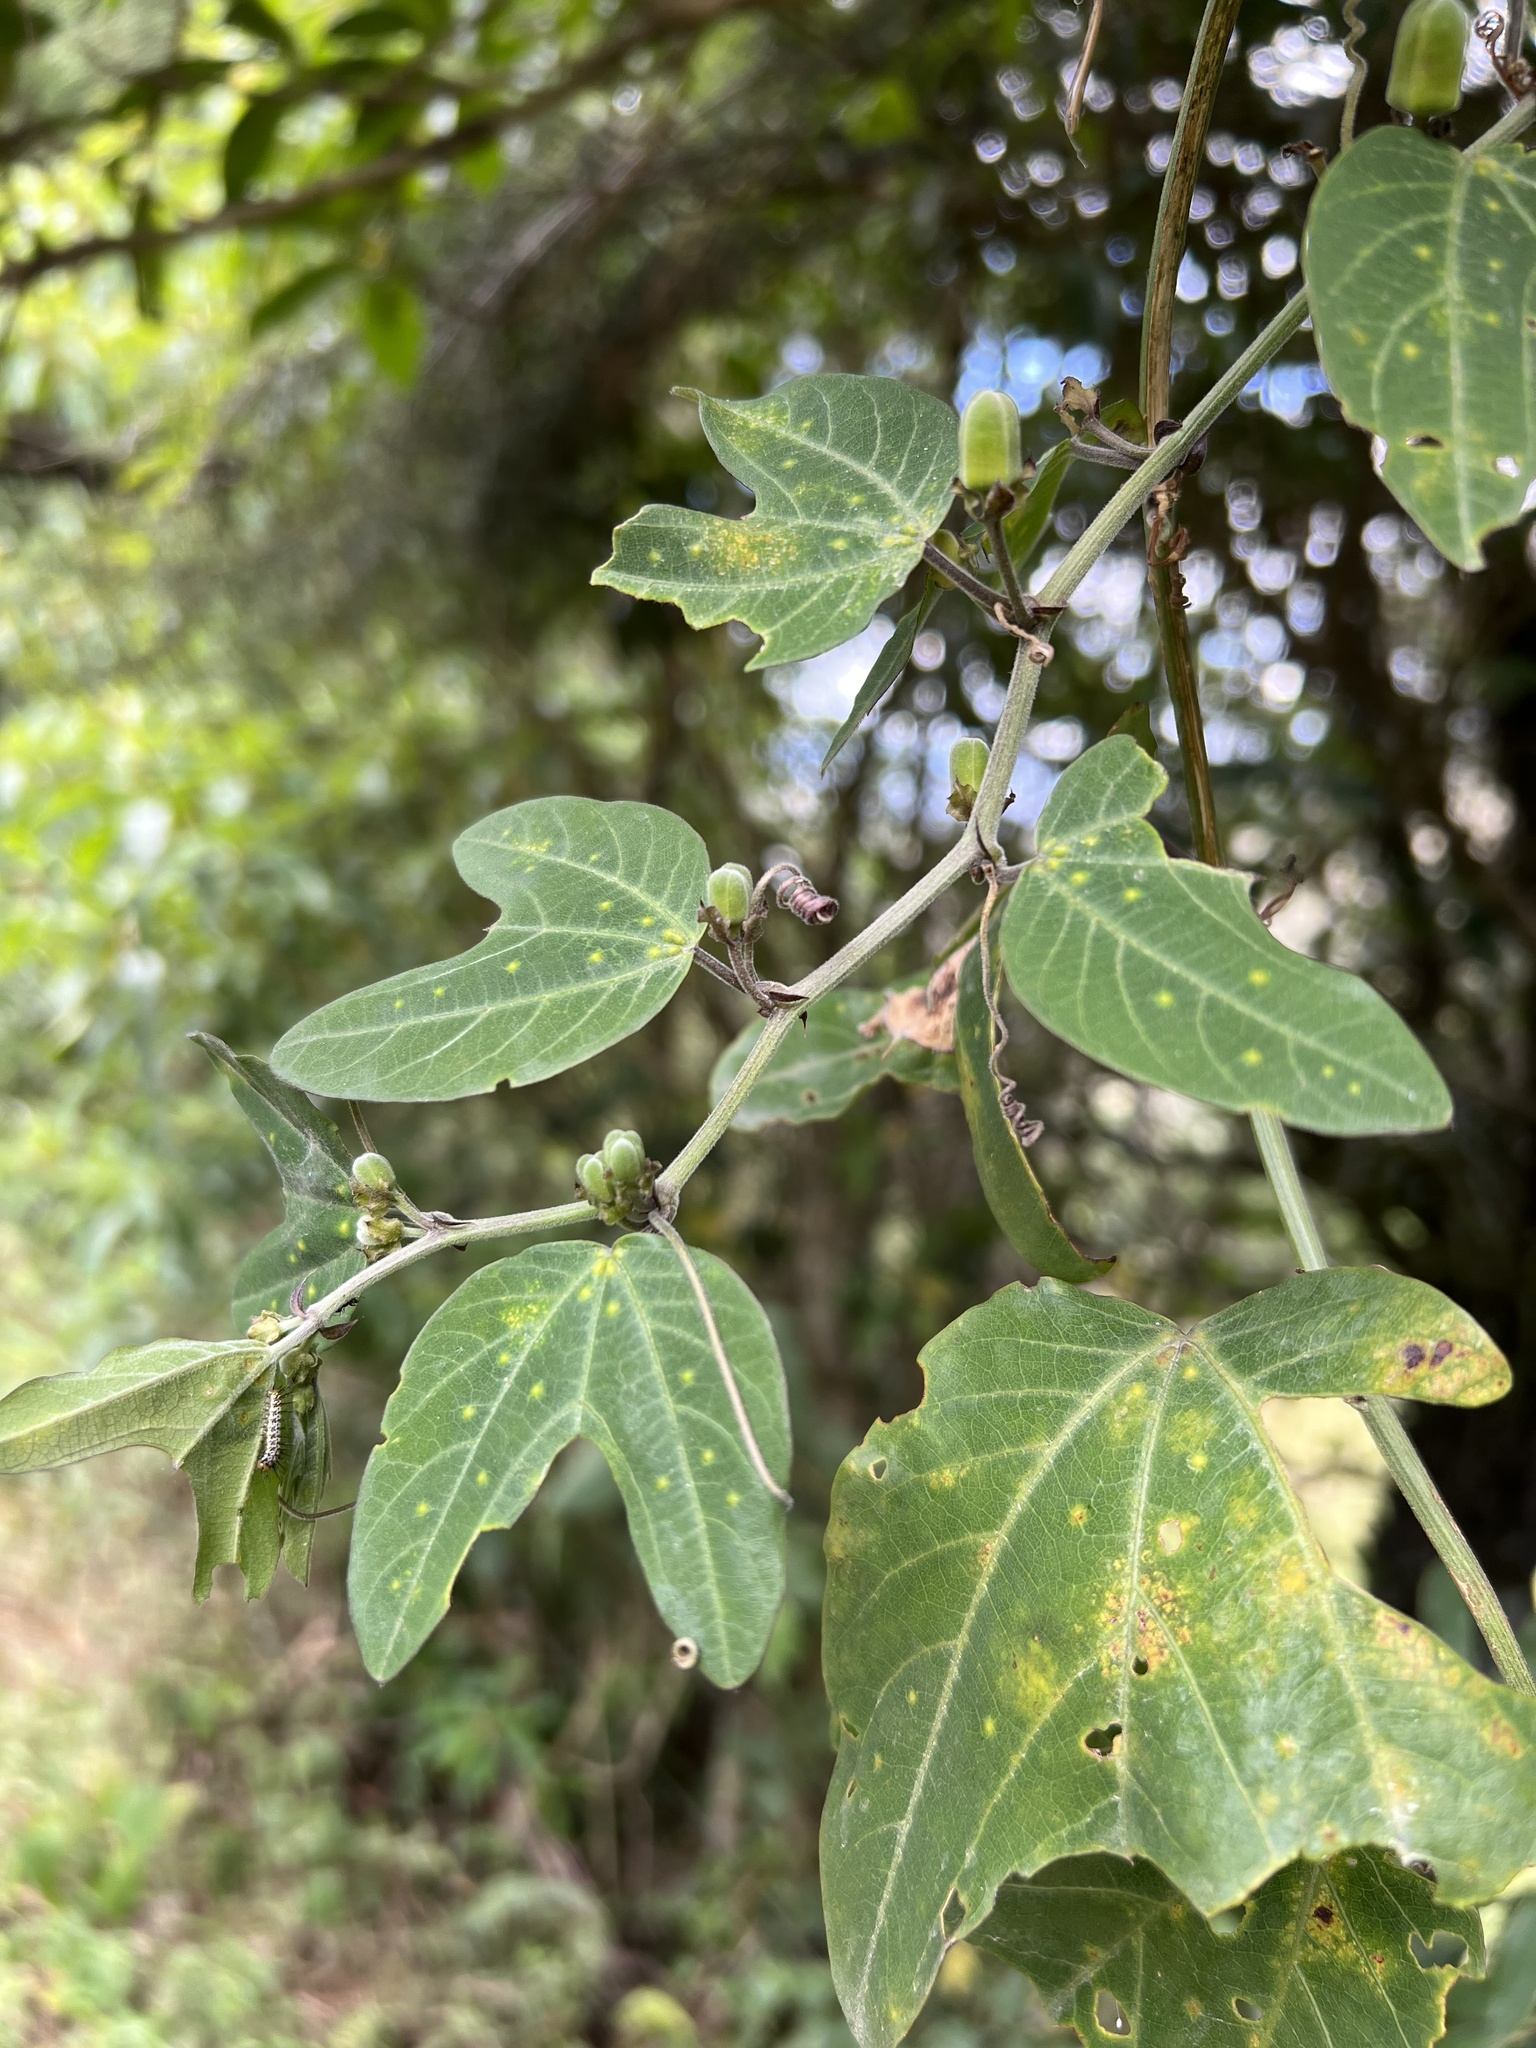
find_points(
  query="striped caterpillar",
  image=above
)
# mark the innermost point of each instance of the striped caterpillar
(271, 1432)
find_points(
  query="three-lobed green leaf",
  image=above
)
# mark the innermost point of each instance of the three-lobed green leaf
(1073, 1606)
(569, 1340)
(827, 1063)
(851, 476)
(314, 1248)
(1014, 1195)
(598, 913)
(1421, 266)
(1324, 1955)
(1162, 969)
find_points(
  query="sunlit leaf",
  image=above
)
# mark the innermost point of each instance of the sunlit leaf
(1008, 1181)
(1073, 1606)
(1421, 267)
(826, 1063)
(1162, 968)
(394, 327)
(599, 908)
(314, 1247)
(851, 476)
(1324, 1955)
(570, 1340)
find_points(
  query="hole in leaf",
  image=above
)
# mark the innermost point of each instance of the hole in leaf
(1247, 2010)
(1441, 1952)
(853, 1786)
(1109, 2016)
(952, 1919)
(1140, 1666)
(1228, 1920)
(1101, 1741)
(1425, 441)
(809, 1095)
(878, 1468)
(847, 1727)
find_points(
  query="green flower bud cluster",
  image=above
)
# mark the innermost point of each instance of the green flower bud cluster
(1428, 58)
(375, 1189)
(990, 450)
(729, 893)
(618, 1180)
(967, 765)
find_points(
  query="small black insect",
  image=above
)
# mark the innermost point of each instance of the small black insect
(271, 1432)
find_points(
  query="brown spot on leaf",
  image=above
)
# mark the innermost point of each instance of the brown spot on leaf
(1412, 1357)
(925, 1016)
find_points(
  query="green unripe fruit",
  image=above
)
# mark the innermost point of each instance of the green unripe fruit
(730, 891)
(989, 441)
(372, 1172)
(624, 1155)
(1427, 59)
(968, 763)
(592, 1176)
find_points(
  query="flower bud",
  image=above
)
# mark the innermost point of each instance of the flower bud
(592, 1178)
(989, 441)
(377, 1235)
(624, 1155)
(372, 1173)
(730, 891)
(1427, 59)
(967, 765)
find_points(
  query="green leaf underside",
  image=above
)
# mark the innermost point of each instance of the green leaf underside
(1323, 1958)
(1015, 1197)
(200, 1403)
(313, 1246)
(1421, 266)
(884, 674)
(1024, 528)
(1073, 1606)
(826, 1064)
(569, 1340)
(851, 475)
(598, 908)
(1162, 970)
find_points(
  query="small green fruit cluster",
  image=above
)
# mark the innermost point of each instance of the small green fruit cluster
(374, 1189)
(618, 1180)
(729, 893)
(990, 450)
(967, 765)
(1428, 58)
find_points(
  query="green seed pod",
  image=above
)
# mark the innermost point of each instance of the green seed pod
(730, 891)
(372, 1172)
(1427, 59)
(624, 1155)
(592, 1178)
(989, 441)
(968, 763)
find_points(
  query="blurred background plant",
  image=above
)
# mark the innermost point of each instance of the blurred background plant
(296, 521)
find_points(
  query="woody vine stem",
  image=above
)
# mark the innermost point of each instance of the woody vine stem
(1165, 545)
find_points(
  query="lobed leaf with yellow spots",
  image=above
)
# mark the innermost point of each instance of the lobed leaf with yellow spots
(851, 476)
(1074, 1607)
(1421, 269)
(569, 1340)
(1354, 1950)
(599, 906)
(314, 1247)
(1163, 970)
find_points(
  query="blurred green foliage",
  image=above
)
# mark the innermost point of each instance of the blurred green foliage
(275, 627)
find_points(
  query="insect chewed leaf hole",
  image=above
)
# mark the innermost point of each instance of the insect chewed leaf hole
(1109, 2016)
(1140, 1666)
(853, 1786)
(847, 1727)
(685, 1653)
(1425, 441)
(952, 1919)
(1247, 2010)
(1441, 1952)
(1228, 1920)
(1101, 1741)
(878, 1468)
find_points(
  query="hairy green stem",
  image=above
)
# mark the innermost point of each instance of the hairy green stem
(1387, 1432)
(437, 1238)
